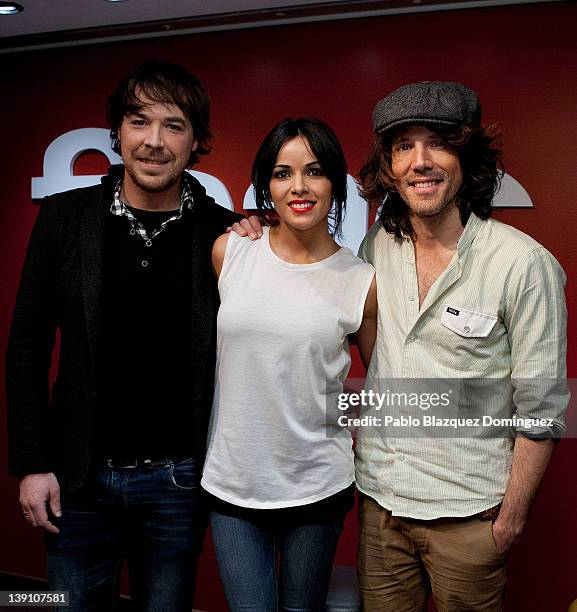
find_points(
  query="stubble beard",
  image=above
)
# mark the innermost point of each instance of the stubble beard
(436, 207)
(151, 183)
(431, 210)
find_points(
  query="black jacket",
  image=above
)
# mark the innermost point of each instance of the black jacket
(60, 289)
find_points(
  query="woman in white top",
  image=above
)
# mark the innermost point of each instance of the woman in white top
(279, 469)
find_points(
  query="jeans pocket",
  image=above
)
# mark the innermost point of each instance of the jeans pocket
(184, 475)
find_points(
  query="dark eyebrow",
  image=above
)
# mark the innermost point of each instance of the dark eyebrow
(141, 112)
(135, 111)
(313, 163)
(399, 138)
(403, 138)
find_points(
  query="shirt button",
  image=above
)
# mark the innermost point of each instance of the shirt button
(148, 243)
(132, 232)
(401, 457)
(144, 263)
(411, 298)
(466, 329)
(411, 338)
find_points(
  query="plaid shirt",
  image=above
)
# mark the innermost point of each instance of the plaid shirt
(120, 209)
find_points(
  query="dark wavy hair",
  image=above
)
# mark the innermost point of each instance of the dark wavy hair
(166, 83)
(481, 163)
(324, 145)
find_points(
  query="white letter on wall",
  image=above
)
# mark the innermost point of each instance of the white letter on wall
(62, 153)
(512, 194)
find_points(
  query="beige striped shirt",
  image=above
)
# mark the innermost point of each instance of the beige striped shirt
(510, 324)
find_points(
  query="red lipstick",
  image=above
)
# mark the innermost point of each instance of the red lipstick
(301, 206)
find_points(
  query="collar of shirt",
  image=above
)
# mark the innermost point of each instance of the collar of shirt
(119, 208)
(472, 227)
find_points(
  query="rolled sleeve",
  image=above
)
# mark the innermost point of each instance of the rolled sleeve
(537, 330)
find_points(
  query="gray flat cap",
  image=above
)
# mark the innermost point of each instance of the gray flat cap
(436, 102)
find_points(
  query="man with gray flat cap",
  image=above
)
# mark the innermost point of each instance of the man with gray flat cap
(465, 298)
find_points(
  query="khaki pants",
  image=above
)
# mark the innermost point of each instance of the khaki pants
(402, 560)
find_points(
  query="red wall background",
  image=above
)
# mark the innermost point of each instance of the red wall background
(522, 60)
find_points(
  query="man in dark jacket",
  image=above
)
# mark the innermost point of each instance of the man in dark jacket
(110, 460)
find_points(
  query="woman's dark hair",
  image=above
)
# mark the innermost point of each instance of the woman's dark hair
(480, 158)
(324, 146)
(166, 83)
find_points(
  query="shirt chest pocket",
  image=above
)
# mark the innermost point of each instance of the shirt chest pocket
(467, 347)
(467, 323)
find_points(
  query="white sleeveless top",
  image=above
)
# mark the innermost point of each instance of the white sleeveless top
(282, 356)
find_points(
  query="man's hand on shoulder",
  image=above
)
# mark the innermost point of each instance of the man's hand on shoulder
(38, 493)
(251, 227)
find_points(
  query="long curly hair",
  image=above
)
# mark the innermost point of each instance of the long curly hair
(480, 156)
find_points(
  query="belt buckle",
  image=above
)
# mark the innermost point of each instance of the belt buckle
(151, 463)
(126, 464)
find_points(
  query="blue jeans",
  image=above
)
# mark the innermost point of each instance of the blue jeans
(151, 516)
(247, 550)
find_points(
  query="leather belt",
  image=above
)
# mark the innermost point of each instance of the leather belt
(489, 515)
(132, 463)
(486, 515)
